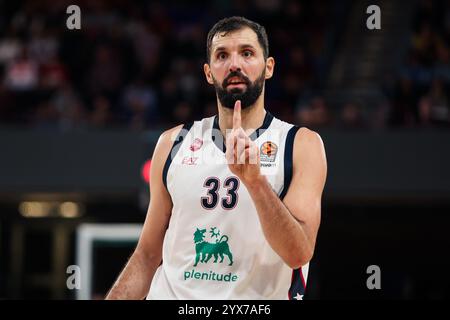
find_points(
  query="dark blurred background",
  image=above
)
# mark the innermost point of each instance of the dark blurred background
(81, 111)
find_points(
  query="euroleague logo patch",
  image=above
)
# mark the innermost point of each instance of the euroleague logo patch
(268, 151)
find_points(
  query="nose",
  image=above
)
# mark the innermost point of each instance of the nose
(234, 63)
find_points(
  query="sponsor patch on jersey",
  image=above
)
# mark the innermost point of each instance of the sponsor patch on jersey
(268, 151)
(205, 250)
(214, 252)
(197, 144)
(189, 161)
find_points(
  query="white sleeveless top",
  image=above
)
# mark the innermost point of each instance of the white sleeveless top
(214, 247)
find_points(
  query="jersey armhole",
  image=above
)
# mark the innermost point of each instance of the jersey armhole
(288, 159)
(174, 150)
(298, 284)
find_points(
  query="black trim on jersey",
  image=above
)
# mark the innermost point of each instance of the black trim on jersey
(266, 123)
(288, 158)
(173, 151)
(216, 127)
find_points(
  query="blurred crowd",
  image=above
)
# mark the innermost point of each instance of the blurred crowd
(139, 64)
(420, 94)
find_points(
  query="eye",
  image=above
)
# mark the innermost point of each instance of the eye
(221, 55)
(247, 53)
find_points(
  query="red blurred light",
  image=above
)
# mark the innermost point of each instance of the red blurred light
(145, 172)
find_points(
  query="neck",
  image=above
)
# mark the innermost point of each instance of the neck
(252, 117)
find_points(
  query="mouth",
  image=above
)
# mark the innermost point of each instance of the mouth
(236, 82)
(240, 85)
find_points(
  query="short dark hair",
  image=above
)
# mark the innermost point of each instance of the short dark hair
(237, 23)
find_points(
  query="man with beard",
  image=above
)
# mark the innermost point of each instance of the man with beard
(234, 211)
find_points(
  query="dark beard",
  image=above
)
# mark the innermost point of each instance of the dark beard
(248, 97)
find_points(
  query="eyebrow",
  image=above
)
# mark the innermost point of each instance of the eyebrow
(242, 46)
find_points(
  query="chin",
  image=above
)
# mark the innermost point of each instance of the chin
(236, 91)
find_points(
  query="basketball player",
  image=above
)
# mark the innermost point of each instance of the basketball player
(234, 210)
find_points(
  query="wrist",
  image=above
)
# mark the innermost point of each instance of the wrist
(255, 182)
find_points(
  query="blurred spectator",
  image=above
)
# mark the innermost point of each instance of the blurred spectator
(53, 74)
(314, 114)
(43, 44)
(379, 118)
(423, 43)
(434, 108)
(101, 115)
(147, 45)
(105, 75)
(421, 98)
(169, 95)
(22, 74)
(442, 66)
(70, 108)
(351, 116)
(10, 48)
(404, 103)
(140, 105)
(183, 112)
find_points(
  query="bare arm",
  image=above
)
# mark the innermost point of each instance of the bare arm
(135, 279)
(290, 226)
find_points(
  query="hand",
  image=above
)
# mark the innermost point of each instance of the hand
(242, 153)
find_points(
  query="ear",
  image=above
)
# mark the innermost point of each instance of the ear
(270, 65)
(208, 75)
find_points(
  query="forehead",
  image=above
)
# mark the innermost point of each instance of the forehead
(244, 36)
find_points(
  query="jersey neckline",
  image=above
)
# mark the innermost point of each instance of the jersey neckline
(219, 140)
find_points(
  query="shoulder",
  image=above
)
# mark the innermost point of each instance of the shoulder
(309, 149)
(165, 143)
(308, 138)
(170, 135)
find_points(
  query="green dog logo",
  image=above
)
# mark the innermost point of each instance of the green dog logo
(205, 250)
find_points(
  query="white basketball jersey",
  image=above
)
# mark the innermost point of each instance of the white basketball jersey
(214, 247)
